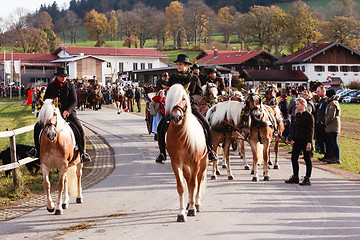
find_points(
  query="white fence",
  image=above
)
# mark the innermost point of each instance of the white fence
(15, 164)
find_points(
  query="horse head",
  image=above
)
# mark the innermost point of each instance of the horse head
(211, 91)
(254, 105)
(270, 92)
(177, 103)
(50, 118)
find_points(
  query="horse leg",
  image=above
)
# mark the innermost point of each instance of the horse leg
(46, 183)
(266, 154)
(254, 151)
(227, 157)
(194, 170)
(60, 186)
(276, 150)
(79, 197)
(242, 149)
(180, 189)
(215, 171)
(200, 179)
(65, 204)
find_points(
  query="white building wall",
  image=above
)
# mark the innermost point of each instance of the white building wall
(310, 72)
(72, 70)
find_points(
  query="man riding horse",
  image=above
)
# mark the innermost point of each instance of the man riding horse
(185, 76)
(67, 99)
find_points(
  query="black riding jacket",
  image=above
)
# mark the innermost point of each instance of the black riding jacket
(66, 95)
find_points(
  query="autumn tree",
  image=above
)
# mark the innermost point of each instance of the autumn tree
(130, 28)
(113, 26)
(145, 17)
(31, 40)
(160, 29)
(226, 18)
(18, 19)
(346, 8)
(70, 22)
(96, 24)
(240, 29)
(174, 19)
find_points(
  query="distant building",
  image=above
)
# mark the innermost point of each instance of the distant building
(325, 62)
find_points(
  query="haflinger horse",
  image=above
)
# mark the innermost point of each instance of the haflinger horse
(118, 96)
(262, 128)
(210, 97)
(187, 149)
(57, 151)
(225, 118)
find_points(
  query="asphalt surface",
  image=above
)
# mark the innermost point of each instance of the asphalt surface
(138, 200)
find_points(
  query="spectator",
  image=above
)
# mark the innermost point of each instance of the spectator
(129, 94)
(332, 125)
(324, 147)
(138, 98)
(307, 95)
(283, 105)
(157, 110)
(303, 132)
(292, 109)
(34, 98)
(162, 81)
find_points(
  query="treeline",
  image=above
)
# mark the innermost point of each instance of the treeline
(192, 25)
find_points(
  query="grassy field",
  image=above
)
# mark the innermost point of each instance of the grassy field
(312, 3)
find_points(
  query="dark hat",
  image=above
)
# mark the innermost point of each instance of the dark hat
(212, 70)
(61, 72)
(330, 93)
(183, 58)
(195, 66)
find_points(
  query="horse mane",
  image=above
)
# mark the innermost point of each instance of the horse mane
(192, 129)
(46, 113)
(230, 110)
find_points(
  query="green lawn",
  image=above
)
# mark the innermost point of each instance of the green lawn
(312, 3)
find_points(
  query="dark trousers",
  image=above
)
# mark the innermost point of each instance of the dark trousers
(164, 123)
(291, 127)
(332, 138)
(79, 133)
(322, 140)
(138, 103)
(300, 145)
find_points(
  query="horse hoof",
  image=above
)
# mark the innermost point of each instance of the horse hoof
(191, 213)
(198, 207)
(266, 178)
(218, 173)
(50, 209)
(118, 113)
(79, 200)
(224, 166)
(58, 212)
(255, 179)
(276, 166)
(247, 168)
(269, 163)
(181, 218)
(64, 206)
(213, 177)
(252, 172)
(187, 206)
(230, 178)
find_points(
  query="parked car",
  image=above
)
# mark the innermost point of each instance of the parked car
(349, 93)
(356, 97)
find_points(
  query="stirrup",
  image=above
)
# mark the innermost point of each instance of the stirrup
(160, 158)
(33, 152)
(85, 157)
(212, 156)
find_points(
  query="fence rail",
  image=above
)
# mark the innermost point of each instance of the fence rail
(15, 164)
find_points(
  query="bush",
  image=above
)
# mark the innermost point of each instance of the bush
(354, 85)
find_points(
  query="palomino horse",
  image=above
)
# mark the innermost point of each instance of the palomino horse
(224, 117)
(57, 151)
(271, 100)
(210, 97)
(82, 95)
(187, 149)
(118, 96)
(262, 128)
(95, 98)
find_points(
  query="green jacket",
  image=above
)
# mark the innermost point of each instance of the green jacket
(332, 115)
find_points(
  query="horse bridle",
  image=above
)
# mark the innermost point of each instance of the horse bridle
(50, 124)
(182, 110)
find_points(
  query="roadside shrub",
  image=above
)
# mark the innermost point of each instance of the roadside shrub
(354, 85)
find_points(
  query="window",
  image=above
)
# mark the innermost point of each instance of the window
(333, 68)
(344, 68)
(303, 68)
(319, 68)
(135, 66)
(142, 65)
(121, 67)
(294, 68)
(355, 68)
(108, 64)
(149, 65)
(298, 68)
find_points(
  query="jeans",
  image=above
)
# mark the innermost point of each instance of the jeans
(300, 145)
(332, 139)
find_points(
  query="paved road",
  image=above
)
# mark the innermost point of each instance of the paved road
(138, 200)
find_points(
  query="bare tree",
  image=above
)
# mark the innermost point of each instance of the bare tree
(70, 22)
(18, 19)
(144, 20)
(159, 22)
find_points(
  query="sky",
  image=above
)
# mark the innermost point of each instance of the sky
(8, 6)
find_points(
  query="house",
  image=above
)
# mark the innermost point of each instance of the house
(106, 63)
(237, 60)
(324, 62)
(34, 68)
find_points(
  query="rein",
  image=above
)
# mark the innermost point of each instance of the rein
(182, 110)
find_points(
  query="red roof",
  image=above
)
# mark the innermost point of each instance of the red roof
(228, 57)
(108, 51)
(29, 57)
(274, 75)
(306, 53)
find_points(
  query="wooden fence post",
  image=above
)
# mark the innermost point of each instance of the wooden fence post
(16, 171)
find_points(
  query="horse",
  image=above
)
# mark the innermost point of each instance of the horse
(95, 98)
(225, 119)
(118, 96)
(271, 100)
(262, 128)
(210, 97)
(82, 96)
(57, 150)
(187, 149)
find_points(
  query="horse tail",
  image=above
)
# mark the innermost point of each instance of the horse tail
(72, 181)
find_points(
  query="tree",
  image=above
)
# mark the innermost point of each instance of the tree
(145, 17)
(113, 26)
(346, 8)
(31, 40)
(43, 20)
(96, 24)
(174, 19)
(160, 29)
(18, 19)
(240, 30)
(130, 28)
(225, 17)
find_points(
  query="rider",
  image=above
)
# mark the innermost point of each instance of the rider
(184, 75)
(64, 90)
(212, 77)
(196, 70)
